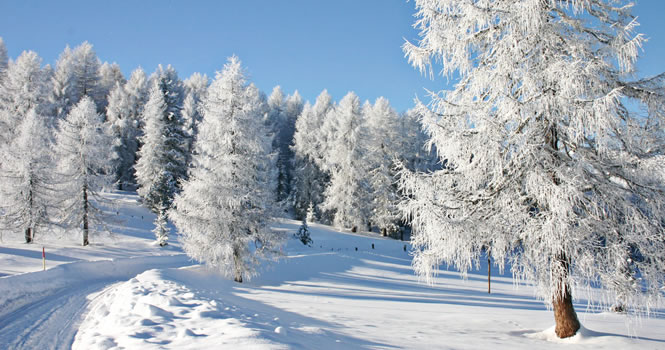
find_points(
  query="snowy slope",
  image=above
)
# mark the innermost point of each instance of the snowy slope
(328, 296)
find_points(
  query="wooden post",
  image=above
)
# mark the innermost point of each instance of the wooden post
(43, 258)
(489, 269)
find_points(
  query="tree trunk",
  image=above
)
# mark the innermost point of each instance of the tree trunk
(489, 270)
(28, 235)
(85, 215)
(565, 317)
(236, 266)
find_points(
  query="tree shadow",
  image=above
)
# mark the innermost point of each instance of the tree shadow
(35, 254)
(294, 330)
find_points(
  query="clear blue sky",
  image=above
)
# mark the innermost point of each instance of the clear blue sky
(308, 45)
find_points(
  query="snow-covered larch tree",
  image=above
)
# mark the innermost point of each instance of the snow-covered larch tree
(161, 164)
(545, 161)
(110, 75)
(308, 181)
(347, 193)
(117, 111)
(25, 178)
(85, 157)
(76, 75)
(226, 205)
(24, 88)
(123, 113)
(383, 150)
(24, 146)
(195, 89)
(4, 59)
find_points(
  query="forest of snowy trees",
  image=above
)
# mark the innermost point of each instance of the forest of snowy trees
(79, 127)
(536, 157)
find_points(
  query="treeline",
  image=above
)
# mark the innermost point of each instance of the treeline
(75, 129)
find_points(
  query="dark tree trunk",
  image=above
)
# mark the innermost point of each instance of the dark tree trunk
(236, 266)
(28, 235)
(489, 270)
(85, 215)
(565, 317)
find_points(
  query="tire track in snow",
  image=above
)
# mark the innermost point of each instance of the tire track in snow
(52, 320)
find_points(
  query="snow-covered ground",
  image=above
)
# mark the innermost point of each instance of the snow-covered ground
(125, 292)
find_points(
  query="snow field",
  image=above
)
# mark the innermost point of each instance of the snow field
(330, 296)
(135, 295)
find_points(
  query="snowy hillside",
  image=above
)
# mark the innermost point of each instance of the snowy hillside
(347, 291)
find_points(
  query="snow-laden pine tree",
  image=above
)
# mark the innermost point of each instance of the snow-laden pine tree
(110, 75)
(161, 164)
(123, 113)
(277, 120)
(195, 89)
(197, 84)
(347, 194)
(382, 152)
(85, 157)
(545, 161)
(23, 89)
(308, 181)
(86, 77)
(226, 205)
(25, 178)
(60, 83)
(417, 154)
(76, 75)
(4, 59)
(137, 95)
(124, 134)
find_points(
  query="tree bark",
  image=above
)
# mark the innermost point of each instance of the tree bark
(565, 317)
(85, 215)
(28, 235)
(236, 266)
(489, 270)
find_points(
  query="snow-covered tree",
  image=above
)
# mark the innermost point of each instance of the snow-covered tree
(161, 164)
(25, 182)
(60, 81)
(110, 75)
(76, 75)
(137, 95)
(4, 59)
(85, 158)
(326, 111)
(195, 89)
(197, 84)
(545, 161)
(383, 149)
(117, 116)
(24, 88)
(347, 194)
(86, 77)
(309, 181)
(278, 122)
(416, 153)
(123, 113)
(226, 204)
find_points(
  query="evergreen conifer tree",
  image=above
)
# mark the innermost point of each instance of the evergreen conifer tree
(227, 202)
(544, 160)
(162, 156)
(85, 159)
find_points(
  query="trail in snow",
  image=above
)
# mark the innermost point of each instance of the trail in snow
(46, 308)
